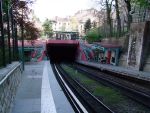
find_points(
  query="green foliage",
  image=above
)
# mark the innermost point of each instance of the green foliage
(6, 3)
(87, 25)
(31, 31)
(142, 3)
(109, 95)
(48, 31)
(93, 35)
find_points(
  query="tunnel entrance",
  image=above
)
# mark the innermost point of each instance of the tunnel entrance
(62, 50)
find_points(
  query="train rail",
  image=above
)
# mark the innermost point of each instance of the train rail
(118, 74)
(132, 90)
(80, 98)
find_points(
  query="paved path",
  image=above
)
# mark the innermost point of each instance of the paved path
(39, 91)
(61, 103)
(28, 98)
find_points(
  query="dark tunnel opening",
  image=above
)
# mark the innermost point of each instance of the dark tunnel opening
(62, 52)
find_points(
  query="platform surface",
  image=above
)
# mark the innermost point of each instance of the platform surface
(117, 69)
(39, 91)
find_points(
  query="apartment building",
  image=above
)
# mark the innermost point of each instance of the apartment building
(76, 22)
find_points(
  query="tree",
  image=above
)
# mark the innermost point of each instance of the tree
(128, 6)
(47, 26)
(87, 25)
(94, 24)
(107, 5)
(109, 18)
(18, 12)
(15, 16)
(31, 31)
(118, 18)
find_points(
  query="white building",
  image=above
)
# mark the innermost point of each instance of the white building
(76, 23)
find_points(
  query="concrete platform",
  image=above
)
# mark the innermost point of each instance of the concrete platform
(126, 71)
(39, 91)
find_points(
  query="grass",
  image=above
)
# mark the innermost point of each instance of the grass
(109, 96)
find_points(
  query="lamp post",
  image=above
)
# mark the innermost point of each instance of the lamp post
(16, 40)
(22, 3)
(12, 29)
(8, 34)
(22, 39)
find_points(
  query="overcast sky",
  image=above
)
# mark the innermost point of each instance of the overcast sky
(50, 8)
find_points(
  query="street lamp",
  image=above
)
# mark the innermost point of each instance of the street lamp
(22, 40)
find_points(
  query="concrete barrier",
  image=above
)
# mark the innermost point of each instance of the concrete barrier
(9, 80)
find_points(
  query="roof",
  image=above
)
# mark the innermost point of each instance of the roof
(66, 31)
(62, 42)
(37, 43)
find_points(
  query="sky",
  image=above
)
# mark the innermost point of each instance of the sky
(50, 8)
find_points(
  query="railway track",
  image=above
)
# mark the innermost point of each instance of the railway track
(80, 98)
(132, 90)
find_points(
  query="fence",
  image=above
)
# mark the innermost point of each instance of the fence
(141, 15)
(106, 31)
(8, 36)
(136, 16)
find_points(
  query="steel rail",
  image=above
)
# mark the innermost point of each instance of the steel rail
(132, 93)
(75, 102)
(97, 103)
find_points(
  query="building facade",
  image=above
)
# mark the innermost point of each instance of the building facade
(76, 22)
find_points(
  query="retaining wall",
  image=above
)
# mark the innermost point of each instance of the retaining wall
(9, 80)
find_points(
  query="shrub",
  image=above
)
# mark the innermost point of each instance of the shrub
(93, 35)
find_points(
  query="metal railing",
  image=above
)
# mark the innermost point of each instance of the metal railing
(104, 30)
(141, 16)
(136, 16)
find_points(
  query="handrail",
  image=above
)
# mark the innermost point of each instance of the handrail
(9, 73)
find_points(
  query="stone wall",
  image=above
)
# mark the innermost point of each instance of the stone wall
(9, 81)
(137, 42)
(135, 52)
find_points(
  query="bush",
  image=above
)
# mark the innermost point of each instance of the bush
(93, 35)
